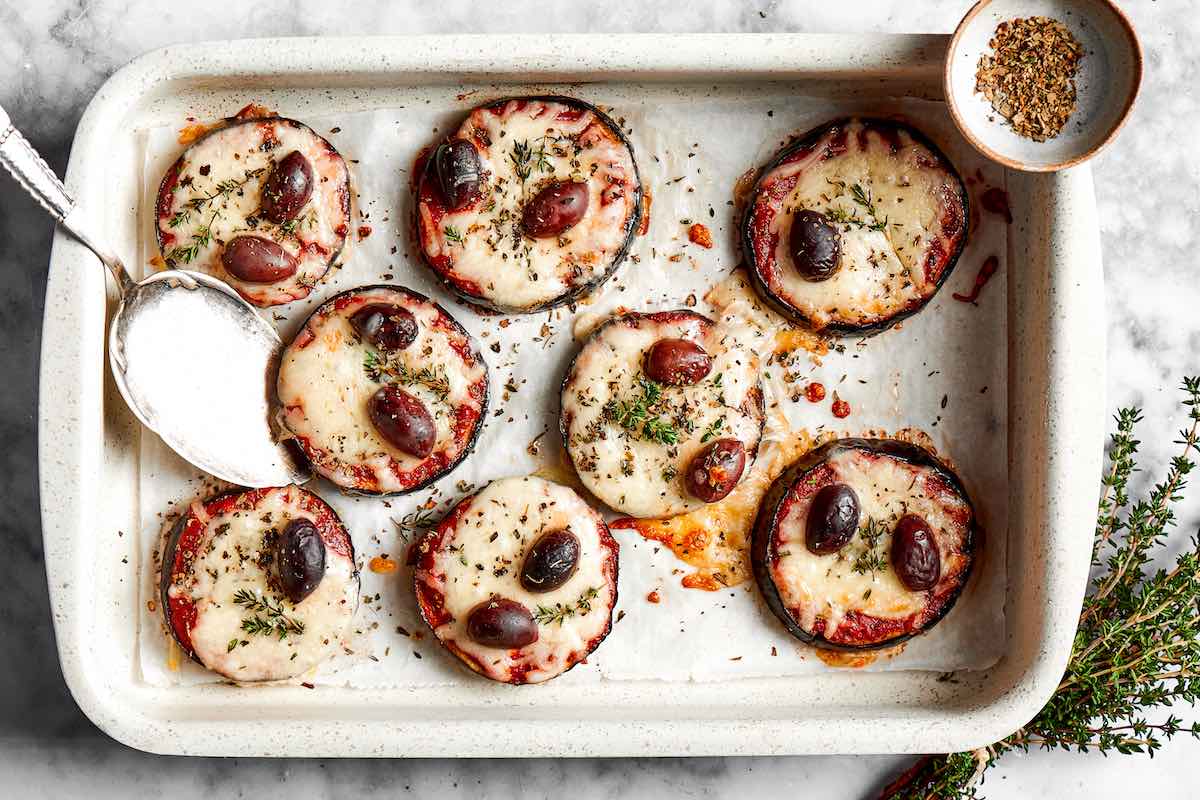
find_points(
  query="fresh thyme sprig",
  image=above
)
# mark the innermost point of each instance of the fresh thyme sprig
(661, 431)
(1137, 647)
(273, 620)
(862, 197)
(201, 238)
(186, 254)
(434, 379)
(526, 158)
(223, 190)
(374, 365)
(289, 228)
(870, 559)
(547, 615)
(634, 415)
(713, 429)
(422, 519)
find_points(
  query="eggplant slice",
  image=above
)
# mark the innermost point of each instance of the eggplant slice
(221, 596)
(851, 597)
(330, 375)
(854, 226)
(474, 195)
(223, 187)
(632, 439)
(519, 580)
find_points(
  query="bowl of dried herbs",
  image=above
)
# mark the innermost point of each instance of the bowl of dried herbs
(1041, 85)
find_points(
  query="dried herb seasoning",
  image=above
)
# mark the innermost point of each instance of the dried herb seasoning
(1029, 77)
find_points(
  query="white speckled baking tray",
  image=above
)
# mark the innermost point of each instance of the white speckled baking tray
(89, 468)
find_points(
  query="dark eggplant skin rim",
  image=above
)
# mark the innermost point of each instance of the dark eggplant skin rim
(472, 441)
(469, 662)
(845, 328)
(583, 289)
(172, 174)
(171, 543)
(764, 528)
(760, 398)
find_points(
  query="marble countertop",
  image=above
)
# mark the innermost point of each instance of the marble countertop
(55, 55)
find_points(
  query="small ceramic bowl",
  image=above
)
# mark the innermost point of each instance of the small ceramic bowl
(1107, 82)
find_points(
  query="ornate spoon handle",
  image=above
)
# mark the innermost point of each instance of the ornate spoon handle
(35, 177)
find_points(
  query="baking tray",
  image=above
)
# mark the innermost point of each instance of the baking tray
(89, 441)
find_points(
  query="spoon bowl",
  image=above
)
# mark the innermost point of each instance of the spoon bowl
(195, 366)
(194, 361)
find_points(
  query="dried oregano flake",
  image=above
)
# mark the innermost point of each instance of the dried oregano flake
(1029, 77)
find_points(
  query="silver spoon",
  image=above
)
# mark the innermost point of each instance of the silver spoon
(194, 361)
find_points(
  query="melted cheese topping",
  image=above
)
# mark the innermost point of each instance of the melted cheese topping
(230, 166)
(885, 247)
(523, 148)
(325, 385)
(482, 558)
(634, 474)
(228, 561)
(828, 586)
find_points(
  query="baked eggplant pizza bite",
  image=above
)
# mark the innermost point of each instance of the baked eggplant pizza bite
(383, 390)
(259, 585)
(662, 412)
(262, 203)
(519, 580)
(863, 543)
(531, 203)
(854, 226)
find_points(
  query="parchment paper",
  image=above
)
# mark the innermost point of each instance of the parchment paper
(942, 372)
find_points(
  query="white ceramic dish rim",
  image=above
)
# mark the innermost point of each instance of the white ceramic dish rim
(1056, 413)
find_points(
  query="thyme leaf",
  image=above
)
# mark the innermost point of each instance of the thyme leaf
(526, 158)
(713, 429)
(373, 365)
(435, 379)
(870, 558)
(861, 197)
(422, 519)
(200, 239)
(269, 617)
(186, 254)
(634, 415)
(548, 615)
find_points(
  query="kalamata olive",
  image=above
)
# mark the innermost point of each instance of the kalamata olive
(815, 245)
(915, 555)
(254, 259)
(715, 470)
(299, 559)
(677, 362)
(550, 562)
(555, 209)
(501, 623)
(403, 420)
(832, 519)
(385, 326)
(287, 188)
(456, 164)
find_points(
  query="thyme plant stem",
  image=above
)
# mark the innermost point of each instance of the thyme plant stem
(1137, 647)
